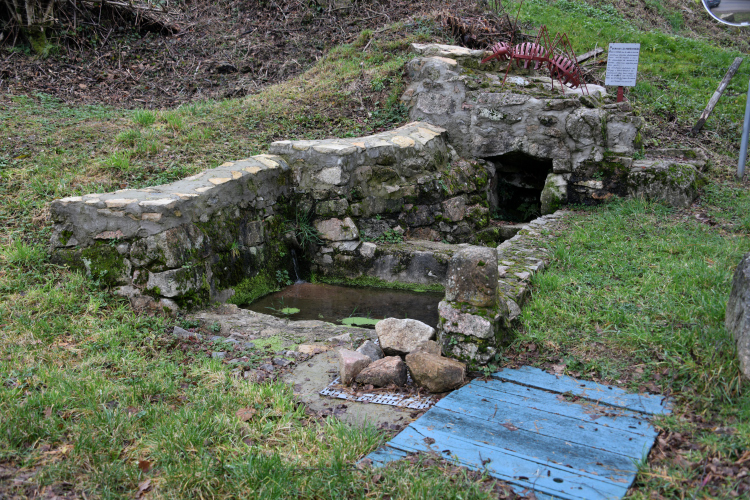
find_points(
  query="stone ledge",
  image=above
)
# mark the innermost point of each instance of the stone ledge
(145, 212)
(412, 261)
(336, 166)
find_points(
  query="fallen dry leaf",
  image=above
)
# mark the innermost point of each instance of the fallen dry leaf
(143, 487)
(144, 465)
(246, 414)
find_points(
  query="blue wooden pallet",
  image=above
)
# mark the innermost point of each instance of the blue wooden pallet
(560, 437)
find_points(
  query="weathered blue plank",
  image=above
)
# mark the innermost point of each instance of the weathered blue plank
(534, 377)
(551, 479)
(535, 447)
(582, 409)
(386, 454)
(474, 402)
(520, 429)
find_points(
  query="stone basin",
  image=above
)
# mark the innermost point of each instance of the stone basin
(407, 206)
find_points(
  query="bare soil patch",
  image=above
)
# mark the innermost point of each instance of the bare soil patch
(216, 49)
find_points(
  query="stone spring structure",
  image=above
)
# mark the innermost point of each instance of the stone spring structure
(476, 148)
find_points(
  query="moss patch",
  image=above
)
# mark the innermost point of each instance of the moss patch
(103, 263)
(251, 289)
(372, 282)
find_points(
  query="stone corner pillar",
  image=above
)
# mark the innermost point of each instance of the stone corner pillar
(472, 321)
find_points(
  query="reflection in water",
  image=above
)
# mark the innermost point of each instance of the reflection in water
(333, 303)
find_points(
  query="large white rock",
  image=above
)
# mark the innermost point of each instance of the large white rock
(399, 337)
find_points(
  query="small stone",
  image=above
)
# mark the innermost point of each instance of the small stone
(350, 364)
(254, 375)
(430, 346)
(281, 362)
(403, 142)
(454, 321)
(455, 208)
(384, 372)
(184, 334)
(247, 346)
(435, 373)
(330, 175)
(267, 367)
(337, 229)
(367, 250)
(312, 349)
(399, 337)
(218, 355)
(340, 338)
(371, 350)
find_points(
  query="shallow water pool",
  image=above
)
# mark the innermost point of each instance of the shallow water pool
(335, 303)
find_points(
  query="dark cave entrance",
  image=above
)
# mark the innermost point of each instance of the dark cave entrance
(517, 186)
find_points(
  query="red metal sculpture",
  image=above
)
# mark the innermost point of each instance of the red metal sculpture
(562, 66)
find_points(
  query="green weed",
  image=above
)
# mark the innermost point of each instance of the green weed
(173, 120)
(144, 117)
(119, 161)
(129, 137)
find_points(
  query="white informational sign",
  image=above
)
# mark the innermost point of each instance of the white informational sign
(622, 64)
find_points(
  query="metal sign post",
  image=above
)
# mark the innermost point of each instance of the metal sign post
(622, 66)
(743, 143)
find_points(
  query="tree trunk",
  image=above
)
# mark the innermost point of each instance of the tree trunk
(37, 37)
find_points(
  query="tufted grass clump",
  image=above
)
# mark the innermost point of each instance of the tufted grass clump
(173, 120)
(144, 117)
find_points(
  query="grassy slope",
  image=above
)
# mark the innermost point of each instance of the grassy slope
(635, 295)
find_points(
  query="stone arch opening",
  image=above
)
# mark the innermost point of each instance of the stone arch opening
(517, 186)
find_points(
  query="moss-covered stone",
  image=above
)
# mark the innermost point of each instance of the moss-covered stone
(253, 288)
(104, 263)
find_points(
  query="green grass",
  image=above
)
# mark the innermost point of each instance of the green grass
(144, 117)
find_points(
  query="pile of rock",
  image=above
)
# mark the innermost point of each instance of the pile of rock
(404, 344)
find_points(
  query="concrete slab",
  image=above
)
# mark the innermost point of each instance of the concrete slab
(311, 376)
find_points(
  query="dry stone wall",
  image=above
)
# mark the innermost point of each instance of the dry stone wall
(581, 143)
(411, 204)
(188, 241)
(408, 180)
(486, 288)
